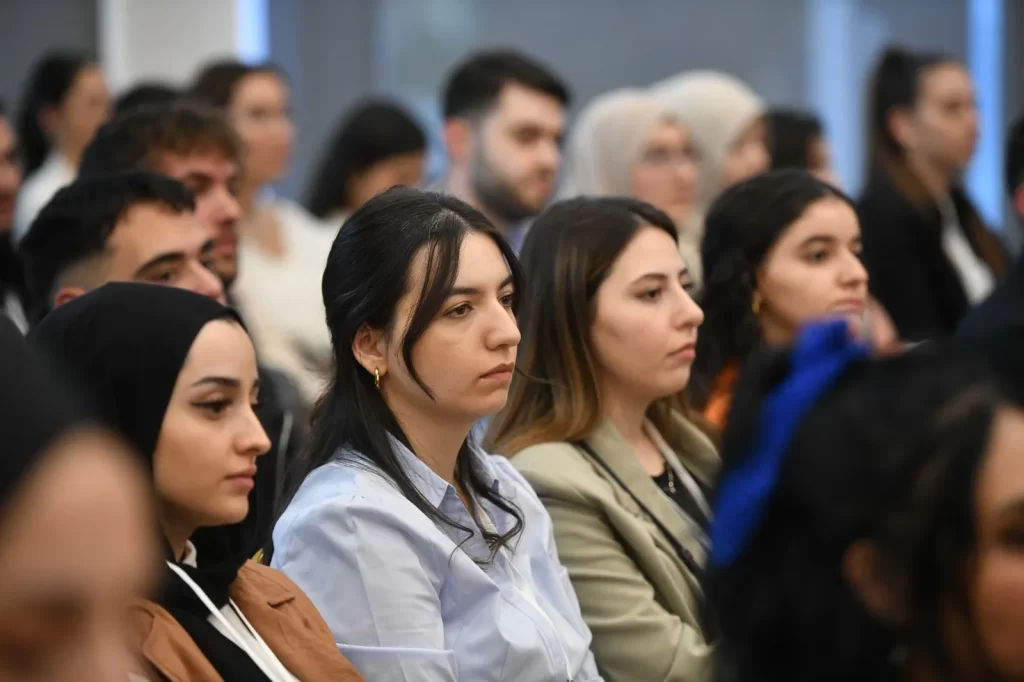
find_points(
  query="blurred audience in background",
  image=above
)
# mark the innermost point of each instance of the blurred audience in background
(145, 93)
(725, 120)
(930, 255)
(796, 139)
(283, 247)
(13, 290)
(65, 100)
(374, 147)
(627, 143)
(505, 118)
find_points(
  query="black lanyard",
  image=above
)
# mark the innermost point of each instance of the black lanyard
(708, 626)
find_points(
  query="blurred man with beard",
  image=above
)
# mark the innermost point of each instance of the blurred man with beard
(12, 282)
(504, 121)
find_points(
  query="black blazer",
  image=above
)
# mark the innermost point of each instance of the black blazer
(995, 331)
(911, 276)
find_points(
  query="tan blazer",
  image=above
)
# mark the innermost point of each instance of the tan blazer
(277, 609)
(636, 594)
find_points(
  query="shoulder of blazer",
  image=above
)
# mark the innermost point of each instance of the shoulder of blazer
(560, 470)
(167, 648)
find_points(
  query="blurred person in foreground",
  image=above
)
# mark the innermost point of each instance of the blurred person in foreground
(375, 146)
(77, 547)
(13, 292)
(504, 119)
(867, 518)
(995, 329)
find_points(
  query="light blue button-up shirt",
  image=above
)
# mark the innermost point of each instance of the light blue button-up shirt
(407, 604)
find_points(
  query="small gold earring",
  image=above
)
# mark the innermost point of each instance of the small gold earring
(755, 306)
(376, 378)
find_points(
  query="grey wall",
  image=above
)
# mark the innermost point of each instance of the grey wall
(30, 27)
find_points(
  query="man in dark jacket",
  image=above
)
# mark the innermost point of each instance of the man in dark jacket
(995, 329)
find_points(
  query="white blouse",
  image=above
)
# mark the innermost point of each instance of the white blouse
(39, 188)
(281, 301)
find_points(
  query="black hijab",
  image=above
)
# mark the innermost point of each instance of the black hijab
(36, 411)
(124, 344)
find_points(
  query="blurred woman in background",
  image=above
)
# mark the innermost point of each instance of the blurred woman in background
(928, 252)
(77, 544)
(283, 247)
(376, 146)
(176, 373)
(725, 119)
(867, 519)
(626, 143)
(65, 101)
(796, 139)
(431, 560)
(597, 423)
(781, 249)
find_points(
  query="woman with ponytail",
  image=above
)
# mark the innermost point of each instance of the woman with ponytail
(66, 100)
(929, 254)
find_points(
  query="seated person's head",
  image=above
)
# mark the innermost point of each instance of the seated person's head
(134, 226)
(189, 142)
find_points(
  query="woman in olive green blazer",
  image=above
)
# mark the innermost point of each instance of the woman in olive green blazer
(595, 422)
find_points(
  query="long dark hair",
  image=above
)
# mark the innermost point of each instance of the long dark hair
(889, 455)
(48, 86)
(372, 132)
(367, 274)
(895, 84)
(568, 253)
(741, 227)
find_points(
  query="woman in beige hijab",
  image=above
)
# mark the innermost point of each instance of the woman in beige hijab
(726, 120)
(626, 143)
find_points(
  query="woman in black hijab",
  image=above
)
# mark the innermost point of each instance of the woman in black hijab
(76, 546)
(176, 373)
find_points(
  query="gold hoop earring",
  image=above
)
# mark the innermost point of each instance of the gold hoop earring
(376, 378)
(755, 306)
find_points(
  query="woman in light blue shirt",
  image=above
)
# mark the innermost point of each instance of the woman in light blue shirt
(429, 559)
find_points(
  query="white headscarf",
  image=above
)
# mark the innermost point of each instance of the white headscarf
(607, 141)
(717, 108)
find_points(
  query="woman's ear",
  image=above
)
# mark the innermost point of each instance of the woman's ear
(370, 350)
(875, 591)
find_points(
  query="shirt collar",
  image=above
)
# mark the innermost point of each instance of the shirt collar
(431, 486)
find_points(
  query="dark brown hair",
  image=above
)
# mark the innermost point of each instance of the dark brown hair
(568, 253)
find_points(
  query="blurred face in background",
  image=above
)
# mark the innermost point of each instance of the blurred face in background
(78, 550)
(86, 107)
(748, 155)
(813, 271)
(402, 169)
(666, 174)
(10, 174)
(213, 178)
(942, 129)
(819, 161)
(644, 333)
(260, 112)
(516, 152)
